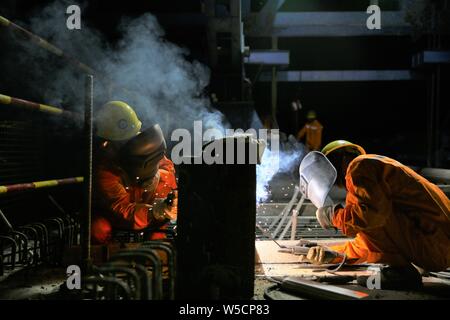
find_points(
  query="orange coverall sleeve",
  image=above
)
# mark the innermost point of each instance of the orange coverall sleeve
(357, 251)
(116, 198)
(368, 203)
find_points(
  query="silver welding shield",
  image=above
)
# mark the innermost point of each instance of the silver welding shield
(141, 155)
(317, 177)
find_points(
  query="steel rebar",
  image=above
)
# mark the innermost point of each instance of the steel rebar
(88, 134)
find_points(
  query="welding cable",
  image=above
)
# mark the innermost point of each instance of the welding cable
(339, 267)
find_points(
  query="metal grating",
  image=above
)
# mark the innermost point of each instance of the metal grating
(307, 224)
(307, 227)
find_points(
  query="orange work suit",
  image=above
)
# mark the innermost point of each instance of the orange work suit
(118, 203)
(313, 133)
(396, 216)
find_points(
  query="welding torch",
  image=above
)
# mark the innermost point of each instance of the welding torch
(304, 249)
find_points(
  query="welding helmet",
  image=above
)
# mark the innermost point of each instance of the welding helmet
(317, 177)
(117, 121)
(340, 145)
(311, 115)
(141, 155)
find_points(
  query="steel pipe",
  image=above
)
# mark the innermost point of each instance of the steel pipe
(142, 256)
(171, 261)
(112, 270)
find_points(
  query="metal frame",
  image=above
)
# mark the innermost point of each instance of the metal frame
(128, 275)
(143, 256)
(171, 261)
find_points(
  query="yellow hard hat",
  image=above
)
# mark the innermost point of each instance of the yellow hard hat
(340, 144)
(311, 115)
(117, 121)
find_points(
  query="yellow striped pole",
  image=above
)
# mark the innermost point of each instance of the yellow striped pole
(16, 102)
(39, 185)
(27, 35)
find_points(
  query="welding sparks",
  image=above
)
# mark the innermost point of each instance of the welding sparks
(287, 158)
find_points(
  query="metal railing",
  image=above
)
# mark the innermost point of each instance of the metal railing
(143, 273)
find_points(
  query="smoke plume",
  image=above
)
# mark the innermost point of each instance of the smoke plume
(141, 68)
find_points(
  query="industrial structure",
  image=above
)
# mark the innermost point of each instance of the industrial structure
(268, 63)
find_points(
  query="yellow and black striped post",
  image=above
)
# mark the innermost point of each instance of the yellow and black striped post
(44, 44)
(27, 35)
(16, 102)
(39, 185)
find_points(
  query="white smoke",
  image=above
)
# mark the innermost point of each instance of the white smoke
(160, 83)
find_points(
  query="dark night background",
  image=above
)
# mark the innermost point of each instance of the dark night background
(387, 118)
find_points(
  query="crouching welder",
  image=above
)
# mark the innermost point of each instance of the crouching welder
(132, 176)
(396, 216)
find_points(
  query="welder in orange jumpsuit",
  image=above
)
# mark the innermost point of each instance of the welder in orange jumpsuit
(312, 132)
(396, 216)
(132, 177)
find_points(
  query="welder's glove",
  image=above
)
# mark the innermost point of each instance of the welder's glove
(162, 211)
(173, 205)
(320, 255)
(325, 215)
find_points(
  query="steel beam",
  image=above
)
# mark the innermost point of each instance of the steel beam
(329, 24)
(340, 75)
(430, 57)
(268, 57)
(236, 33)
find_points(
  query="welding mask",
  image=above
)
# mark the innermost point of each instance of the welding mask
(141, 155)
(317, 177)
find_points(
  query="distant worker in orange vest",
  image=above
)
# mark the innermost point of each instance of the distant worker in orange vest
(312, 132)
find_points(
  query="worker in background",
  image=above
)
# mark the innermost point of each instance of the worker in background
(396, 216)
(312, 132)
(132, 175)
